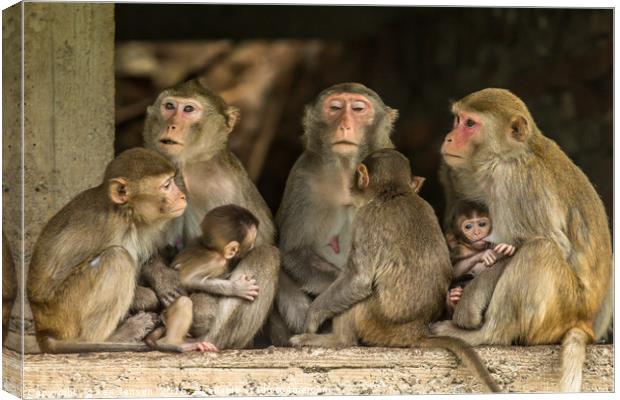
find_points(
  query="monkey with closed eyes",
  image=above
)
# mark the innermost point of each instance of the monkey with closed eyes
(228, 234)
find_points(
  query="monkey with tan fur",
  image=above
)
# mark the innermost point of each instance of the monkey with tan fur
(397, 248)
(86, 262)
(554, 288)
(471, 249)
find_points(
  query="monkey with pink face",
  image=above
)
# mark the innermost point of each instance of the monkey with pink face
(471, 248)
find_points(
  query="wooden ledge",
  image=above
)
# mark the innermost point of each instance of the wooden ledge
(287, 372)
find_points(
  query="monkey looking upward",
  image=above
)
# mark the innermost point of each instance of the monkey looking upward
(190, 125)
(228, 234)
(342, 126)
(471, 250)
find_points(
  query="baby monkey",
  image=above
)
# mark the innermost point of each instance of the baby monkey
(471, 250)
(228, 234)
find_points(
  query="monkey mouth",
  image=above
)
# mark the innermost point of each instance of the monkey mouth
(450, 155)
(345, 142)
(169, 142)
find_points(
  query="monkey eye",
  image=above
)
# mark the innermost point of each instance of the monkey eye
(169, 105)
(468, 226)
(188, 109)
(482, 224)
(470, 122)
(358, 106)
(167, 184)
(335, 106)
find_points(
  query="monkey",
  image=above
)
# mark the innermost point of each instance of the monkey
(471, 250)
(85, 263)
(190, 125)
(228, 234)
(552, 290)
(397, 248)
(343, 125)
(9, 285)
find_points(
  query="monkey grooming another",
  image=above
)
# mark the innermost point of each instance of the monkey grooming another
(83, 272)
(343, 125)
(190, 125)
(228, 234)
(471, 252)
(554, 288)
(397, 248)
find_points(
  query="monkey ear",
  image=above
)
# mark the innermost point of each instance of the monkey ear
(362, 178)
(519, 129)
(416, 183)
(118, 190)
(392, 114)
(232, 117)
(231, 249)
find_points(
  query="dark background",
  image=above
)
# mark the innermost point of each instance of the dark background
(272, 60)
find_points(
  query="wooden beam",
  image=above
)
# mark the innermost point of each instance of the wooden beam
(288, 372)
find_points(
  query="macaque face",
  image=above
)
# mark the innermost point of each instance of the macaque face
(476, 228)
(348, 115)
(159, 198)
(178, 115)
(459, 144)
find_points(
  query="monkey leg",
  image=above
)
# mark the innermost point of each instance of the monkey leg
(178, 319)
(536, 301)
(135, 328)
(90, 303)
(469, 311)
(144, 299)
(343, 333)
(237, 320)
(289, 314)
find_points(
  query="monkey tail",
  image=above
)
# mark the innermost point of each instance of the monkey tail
(60, 346)
(466, 354)
(573, 357)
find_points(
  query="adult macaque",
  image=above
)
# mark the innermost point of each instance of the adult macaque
(228, 234)
(190, 125)
(85, 264)
(397, 248)
(552, 289)
(9, 285)
(471, 250)
(345, 123)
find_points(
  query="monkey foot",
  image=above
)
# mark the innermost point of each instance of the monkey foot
(317, 340)
(443, 328)
(200, 346)
(136, 327)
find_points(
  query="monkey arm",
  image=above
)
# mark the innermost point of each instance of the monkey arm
(309, 269)
(463, 265)
(162, 279)
(352, 286)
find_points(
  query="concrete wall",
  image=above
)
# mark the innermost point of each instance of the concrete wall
(68, 111)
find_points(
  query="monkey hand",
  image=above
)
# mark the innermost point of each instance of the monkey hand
(505, 249)
(313, 321)
(245, 287)
(454, 295)
(167, 286)
(488, 257)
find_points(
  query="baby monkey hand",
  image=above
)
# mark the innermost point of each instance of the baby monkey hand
(245, 287)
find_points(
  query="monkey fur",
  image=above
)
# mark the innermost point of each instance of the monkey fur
(554, 288)
(397, 248)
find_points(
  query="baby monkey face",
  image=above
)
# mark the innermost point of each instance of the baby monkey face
(476, 228)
